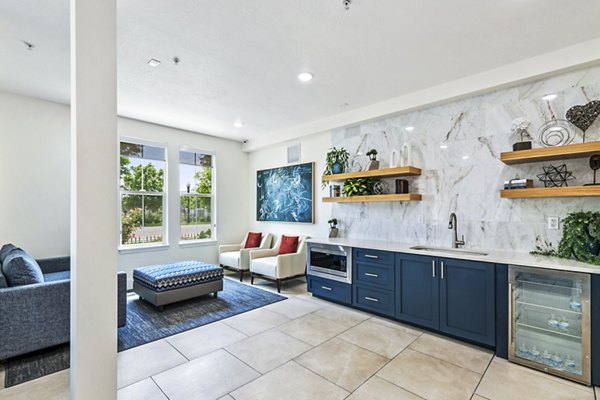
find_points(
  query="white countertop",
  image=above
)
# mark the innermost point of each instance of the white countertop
(498, 257)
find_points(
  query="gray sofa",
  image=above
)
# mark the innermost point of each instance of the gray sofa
(37, 316)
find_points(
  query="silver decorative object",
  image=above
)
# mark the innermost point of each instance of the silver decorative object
(380, 187)
(557, 132)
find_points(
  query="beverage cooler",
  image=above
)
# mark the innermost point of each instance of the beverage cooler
(550, 321)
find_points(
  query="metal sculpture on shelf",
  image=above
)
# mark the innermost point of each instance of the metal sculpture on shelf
(556, 176)
(557, 132)
(380, 187)
(583, 116)
(594, 165)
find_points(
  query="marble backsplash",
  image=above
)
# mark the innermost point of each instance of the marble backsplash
(457, 146)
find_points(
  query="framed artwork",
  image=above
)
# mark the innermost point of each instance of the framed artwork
(286, 194)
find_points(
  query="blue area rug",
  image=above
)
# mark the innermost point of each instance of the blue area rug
(145, 324)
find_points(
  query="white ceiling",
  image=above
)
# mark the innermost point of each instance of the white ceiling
(240, 58)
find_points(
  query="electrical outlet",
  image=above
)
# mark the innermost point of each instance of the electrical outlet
(421, 219)
(553, 223)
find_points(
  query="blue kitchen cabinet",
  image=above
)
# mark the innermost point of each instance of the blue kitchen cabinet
(329, 289)
(373, 280)
(417, 287)
(467, 300)
(453, 296)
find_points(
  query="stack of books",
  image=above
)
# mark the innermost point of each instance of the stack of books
(518, 184)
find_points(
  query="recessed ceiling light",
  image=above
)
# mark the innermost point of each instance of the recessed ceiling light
(549, 97)
(238, 124)
(443, 146)
(409, 128)
(305, 76)
(465, 157)
(154, 62)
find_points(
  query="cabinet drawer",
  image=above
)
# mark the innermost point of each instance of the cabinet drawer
(332, 290)
(376, 300)
(375, 275)
(373, 256)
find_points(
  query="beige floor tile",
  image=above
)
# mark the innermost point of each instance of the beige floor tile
(342, 315)
(309, 297)
(312, 329)
(256, 321)
(268, 350)
(378, 338)
(144, 361)
(397, 325)
(462, 354)
(290, 382)
(228, 397)
(430, 377)
(49, 387)
(288, 288)
(478, 397)
(342, 363)
(378, 389)
(205, 339)
(142, 390)
(504, 380)
(208, 377)
(597, 391)
(294, 308)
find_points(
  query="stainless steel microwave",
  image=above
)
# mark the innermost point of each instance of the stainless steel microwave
(330, 261)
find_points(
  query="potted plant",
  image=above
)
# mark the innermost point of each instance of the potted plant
(358, 186)
(336, 161)
(519, 127)
(580, 240)
(373, 157)
(333, 230)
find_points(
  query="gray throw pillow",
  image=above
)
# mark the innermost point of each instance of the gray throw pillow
(3, 283)
(5, 250)
(20, 268)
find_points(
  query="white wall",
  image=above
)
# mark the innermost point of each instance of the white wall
(313, 148)
(34, 177)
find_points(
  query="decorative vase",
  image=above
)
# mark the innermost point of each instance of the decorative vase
(394, 158)
(406, 157)
(336, 168)
(374, 165)
(333, 232)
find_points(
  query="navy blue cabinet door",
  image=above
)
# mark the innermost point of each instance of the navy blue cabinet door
(417, 290)
(467, 300)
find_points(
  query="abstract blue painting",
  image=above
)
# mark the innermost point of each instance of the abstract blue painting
(285, 193)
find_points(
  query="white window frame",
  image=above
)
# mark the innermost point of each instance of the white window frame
(125, 248)
(213, 195)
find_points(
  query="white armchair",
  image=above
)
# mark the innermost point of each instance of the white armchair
(269, 264)
(236, 257)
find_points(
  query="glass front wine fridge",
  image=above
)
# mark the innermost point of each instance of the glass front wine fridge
(549, 326)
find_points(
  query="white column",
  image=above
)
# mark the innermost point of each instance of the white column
(94, 200)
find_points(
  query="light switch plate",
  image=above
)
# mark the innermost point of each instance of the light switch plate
(553, 223)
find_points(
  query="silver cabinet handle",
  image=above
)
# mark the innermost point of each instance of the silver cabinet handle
(371, 256)
(373, 275)
(442, 269)
(433, 268)
(326, 288)
(372, 299)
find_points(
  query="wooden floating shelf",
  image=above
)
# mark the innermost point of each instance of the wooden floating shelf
(375, 197)
(579, 150)
(375, 173)
(567, 191)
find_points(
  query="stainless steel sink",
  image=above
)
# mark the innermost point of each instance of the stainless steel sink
(449, 250)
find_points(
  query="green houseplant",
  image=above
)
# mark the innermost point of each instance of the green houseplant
(336, 161)
(358, 186)
(580, 240)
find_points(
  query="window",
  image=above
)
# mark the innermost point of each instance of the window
(142, 181)
(197, 194)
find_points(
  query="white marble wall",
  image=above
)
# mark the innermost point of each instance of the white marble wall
(467, 175)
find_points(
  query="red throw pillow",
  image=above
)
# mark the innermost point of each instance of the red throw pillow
(289, 244)
(253, 240)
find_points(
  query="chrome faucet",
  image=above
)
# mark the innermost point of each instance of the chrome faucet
(452, 225)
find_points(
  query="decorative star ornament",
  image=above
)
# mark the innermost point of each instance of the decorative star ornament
(556, 176)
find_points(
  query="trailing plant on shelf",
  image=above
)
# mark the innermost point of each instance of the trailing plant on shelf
(336, 161)
(358, 186)
(580, 240)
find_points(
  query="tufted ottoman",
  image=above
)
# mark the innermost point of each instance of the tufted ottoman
(168, 283)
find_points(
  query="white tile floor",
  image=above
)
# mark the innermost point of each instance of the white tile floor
(306, 348)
